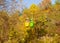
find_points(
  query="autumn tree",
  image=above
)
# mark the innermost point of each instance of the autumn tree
(45, 4)
(4, 26)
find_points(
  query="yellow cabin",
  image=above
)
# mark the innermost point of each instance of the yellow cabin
(26, 23)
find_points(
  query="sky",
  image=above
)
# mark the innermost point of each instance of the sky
(29, 2)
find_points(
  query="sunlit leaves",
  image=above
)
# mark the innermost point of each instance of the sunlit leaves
(34, 8)
(43, 17)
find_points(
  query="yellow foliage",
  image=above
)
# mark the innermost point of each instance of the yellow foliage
(43, 17)
(34, 8)
(14, 28)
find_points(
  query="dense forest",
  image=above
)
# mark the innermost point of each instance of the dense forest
(36, 24)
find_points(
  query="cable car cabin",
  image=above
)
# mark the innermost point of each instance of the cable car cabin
(27, 22)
